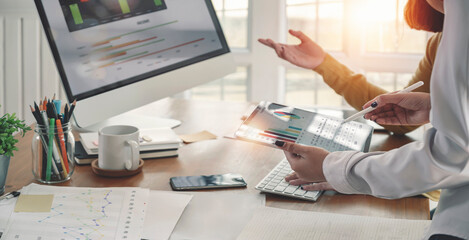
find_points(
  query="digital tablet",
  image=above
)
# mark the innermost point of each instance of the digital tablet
(270, 122)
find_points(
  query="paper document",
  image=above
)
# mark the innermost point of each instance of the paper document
(163, 212)
(273, 223)
(6, 209)
(82, 213)
(217, 215)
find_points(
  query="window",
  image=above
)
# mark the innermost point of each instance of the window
(233, 16)
(306, 88)
(386, 30)
(230, 88)
(362, 32)
(320, 20)
(369, 36)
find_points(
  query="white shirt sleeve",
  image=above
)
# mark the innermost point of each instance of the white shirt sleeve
(441, 160)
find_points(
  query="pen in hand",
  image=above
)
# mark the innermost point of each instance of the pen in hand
(375, 104)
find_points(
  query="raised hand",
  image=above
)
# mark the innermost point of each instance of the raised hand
(307, 54)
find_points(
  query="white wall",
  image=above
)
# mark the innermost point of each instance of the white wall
(27, 70)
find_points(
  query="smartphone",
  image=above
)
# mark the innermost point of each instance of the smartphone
(207, 182)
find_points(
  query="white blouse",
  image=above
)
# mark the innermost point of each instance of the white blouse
(441, 160)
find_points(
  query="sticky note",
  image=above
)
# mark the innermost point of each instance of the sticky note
(200, 136)
(34, 203)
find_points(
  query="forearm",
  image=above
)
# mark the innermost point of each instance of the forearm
(415, 168)
(354, 87)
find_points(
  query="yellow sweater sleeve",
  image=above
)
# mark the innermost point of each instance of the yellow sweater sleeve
(357, 90)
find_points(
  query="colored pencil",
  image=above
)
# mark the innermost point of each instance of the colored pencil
(49, 152)
(62, 146)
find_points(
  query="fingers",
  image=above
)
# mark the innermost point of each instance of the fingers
(267, 42)
(386, 118)
(279, 48)
(291, 148)
(297, 182)
(387, 110)
(372, 101)
(318, 187)
(294, 180)
(291, 176)
(300, 35)
(389, 98)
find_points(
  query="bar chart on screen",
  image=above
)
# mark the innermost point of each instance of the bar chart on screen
(271, 122)
(109, 43)
(81, 14)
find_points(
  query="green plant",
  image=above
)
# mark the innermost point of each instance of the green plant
(9, 124)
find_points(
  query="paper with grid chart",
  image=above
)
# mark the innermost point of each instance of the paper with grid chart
(273, 223)
(82, 213)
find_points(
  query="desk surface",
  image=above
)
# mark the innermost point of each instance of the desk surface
(225, 155)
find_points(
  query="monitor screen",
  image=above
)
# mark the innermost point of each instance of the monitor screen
(101, 45)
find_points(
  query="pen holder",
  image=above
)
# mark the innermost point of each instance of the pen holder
(53, 148)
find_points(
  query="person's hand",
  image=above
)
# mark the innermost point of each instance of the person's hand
(293, 179)
(400, 109)
(307, 54)
(306, 161)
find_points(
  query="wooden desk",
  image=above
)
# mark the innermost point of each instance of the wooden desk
(225, 155)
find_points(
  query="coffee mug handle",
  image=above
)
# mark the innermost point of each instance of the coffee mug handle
(132, 165)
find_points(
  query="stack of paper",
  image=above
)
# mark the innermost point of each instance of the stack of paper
(154, 143)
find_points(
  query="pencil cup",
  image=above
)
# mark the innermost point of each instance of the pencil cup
(53, 149)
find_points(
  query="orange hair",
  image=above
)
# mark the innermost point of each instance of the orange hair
(421, 16)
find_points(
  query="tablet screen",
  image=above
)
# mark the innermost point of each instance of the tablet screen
(270, 122)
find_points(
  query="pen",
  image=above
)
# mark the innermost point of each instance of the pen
(374, 105)
(10, 195)
(57, 105)
(72, 107)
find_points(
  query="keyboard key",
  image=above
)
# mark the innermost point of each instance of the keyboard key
(299, 192)
(279, 188)
(311, 194)
(291, 189)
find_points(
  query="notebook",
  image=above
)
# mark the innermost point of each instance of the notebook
(150, 139)
(82, 157)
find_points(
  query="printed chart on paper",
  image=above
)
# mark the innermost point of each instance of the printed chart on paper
(82, 213)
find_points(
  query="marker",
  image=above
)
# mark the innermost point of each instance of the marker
(375, 104)
(10, 195)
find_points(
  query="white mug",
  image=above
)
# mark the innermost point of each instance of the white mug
(118, 148)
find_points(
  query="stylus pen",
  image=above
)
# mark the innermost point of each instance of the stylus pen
(375, 104)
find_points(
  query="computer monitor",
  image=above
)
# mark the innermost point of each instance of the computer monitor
(117, 55)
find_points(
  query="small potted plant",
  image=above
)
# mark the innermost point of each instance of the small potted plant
(9, 125)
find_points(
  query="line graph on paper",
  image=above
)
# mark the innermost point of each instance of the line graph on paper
(77, 213)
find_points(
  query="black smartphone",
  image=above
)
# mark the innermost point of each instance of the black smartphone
(207, 181)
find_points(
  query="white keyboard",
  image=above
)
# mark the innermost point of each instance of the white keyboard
(271, 122)
(275, 183)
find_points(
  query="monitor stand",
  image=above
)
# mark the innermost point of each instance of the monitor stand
(137, 120)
